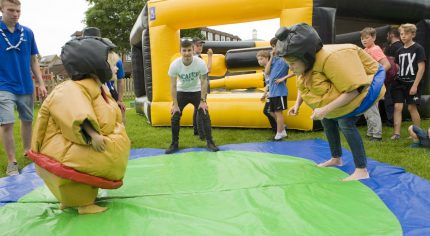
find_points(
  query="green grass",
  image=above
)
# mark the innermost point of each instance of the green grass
(142, 135)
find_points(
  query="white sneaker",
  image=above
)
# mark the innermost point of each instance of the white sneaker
(12, 169)
(280, 136)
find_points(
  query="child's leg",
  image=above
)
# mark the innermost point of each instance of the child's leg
(374, 124)
(331, 130)
(398, 107)
(412, 133)
(352, 136)
(279, 121)
(415, 115)
(91, 209)
(272, 121)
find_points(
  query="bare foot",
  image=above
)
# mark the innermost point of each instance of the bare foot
(62, 207)
(91, 209)
(359, 173)
(332, 162)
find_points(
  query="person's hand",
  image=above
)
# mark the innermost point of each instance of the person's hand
(413, 90)
(42, 91)
(174, 109)
(319, 113)
(98, 143)
(277, 81)
(293, 111)
(121, 106)
(263, 97)
(210, 52)
(203, 106)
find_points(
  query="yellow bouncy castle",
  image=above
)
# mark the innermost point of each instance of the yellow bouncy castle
(155, 39)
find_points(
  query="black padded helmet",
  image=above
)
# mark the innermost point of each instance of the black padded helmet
(85, 56)
(91, 31)
(301, 41)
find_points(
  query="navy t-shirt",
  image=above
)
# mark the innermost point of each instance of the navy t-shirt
(408, 59)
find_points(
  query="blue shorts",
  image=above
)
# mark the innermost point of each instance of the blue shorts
(23, 103)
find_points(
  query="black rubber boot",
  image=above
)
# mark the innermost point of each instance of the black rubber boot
(172, 148)
(212, 147)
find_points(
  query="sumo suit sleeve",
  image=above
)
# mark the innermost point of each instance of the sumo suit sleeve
(70, 109)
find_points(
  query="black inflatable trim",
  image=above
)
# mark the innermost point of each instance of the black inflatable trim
(137, 71)
(221, 47)
(399, 11)
(147, 64)
(243, 58)
(323, 19)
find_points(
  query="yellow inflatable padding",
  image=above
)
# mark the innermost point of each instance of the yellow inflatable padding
(232, 110)
(218, 67)
(58, 132)
(246, 81)
(338, 69)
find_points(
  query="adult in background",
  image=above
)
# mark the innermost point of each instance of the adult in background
(188, 81)
(394, 44)
(18, 56)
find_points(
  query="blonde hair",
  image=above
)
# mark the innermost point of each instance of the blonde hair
(112, 60)
(408, 28)
(16, 2)
(368, 31)
(263, 53)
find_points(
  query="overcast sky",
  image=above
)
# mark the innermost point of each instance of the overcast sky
(53, 21)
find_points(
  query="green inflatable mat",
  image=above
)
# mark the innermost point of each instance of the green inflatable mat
(223, 193)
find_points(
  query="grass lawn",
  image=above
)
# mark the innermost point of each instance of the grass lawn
(142, 135)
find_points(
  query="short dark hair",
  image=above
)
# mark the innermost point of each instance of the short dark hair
(197, 40)
(273, 42)
(394, 29)
(263, 53)
(368, 31)
(186, 43)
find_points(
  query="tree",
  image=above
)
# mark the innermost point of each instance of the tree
(115, 19)
(192, 33)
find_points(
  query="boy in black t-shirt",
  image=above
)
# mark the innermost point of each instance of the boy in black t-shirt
(411, 61)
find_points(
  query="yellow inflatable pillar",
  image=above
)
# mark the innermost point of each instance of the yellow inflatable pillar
(164, 41)
(246, 81)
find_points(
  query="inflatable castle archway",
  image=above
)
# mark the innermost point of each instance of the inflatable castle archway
(155, 43)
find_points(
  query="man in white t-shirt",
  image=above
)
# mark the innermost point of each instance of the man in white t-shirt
(188, 81)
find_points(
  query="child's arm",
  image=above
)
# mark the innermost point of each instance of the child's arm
(385, 63)
(210, 53)
(344, 98)
(269, 64)
(96, 139)
(277, 81)
(265, 93)
(420, 73)
(295, 109)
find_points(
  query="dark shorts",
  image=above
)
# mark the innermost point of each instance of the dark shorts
(400, 93)
(278, 103)
(422, 135)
